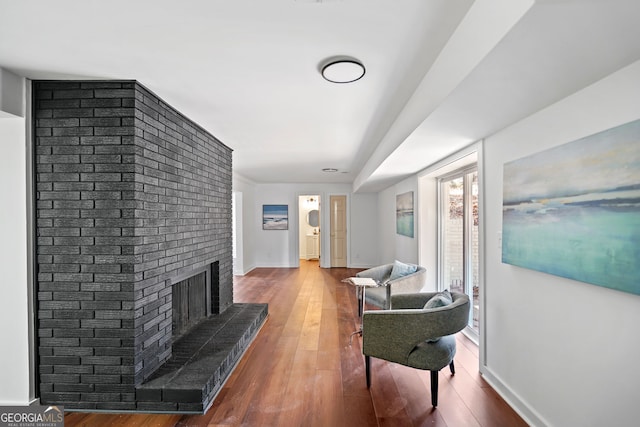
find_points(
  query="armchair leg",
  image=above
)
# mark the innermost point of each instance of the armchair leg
(434, 388)
(452, 367)
(367, 369)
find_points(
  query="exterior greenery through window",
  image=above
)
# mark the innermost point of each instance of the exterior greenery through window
(459, 236)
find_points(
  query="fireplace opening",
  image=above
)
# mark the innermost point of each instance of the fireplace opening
(192, 300)
(189, 303)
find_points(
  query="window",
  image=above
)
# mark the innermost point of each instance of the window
(458, 225)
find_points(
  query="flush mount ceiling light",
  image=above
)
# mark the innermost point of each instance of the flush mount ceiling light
(342, 70)
(329, 170)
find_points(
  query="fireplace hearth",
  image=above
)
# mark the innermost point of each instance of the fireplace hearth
(132, 198)
(202, 360)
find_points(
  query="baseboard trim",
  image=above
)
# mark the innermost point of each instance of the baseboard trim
(527, 413)
(245, 272)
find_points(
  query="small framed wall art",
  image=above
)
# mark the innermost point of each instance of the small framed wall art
(275, 217)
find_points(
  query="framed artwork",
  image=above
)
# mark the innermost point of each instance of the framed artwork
(404, 214)
(275, 217)
(574, 210)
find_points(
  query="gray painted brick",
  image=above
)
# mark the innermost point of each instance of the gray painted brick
(162, 185)
(60, 324)
(60, 305)
(80, 388)
(103, 84)
(102, 213)
(71, 131)
(67, 168)
(72, 351)
(114, 112)
(74, 296)
(65, 94)
(64, 103)
(73, 259)
(101, 360)
(105, 305)
(73, 314)
(66, 369)
(72, 186)
(62, 342)
(115, 102)
(56, 123)
(73, 333)
(114, 93)
(72, 112)
(100, 122)
(68, 287)
(100, 397)
(59, 195)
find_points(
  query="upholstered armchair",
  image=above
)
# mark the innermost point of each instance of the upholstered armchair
(414, 336)
(381, 296)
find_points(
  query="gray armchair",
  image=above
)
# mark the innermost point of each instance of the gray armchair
(381, 296)
(413, 336)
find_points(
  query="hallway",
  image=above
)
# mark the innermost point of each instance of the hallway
(301, 371)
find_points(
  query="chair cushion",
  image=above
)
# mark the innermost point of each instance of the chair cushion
(441, 299)
(401, 269)
(433, 355)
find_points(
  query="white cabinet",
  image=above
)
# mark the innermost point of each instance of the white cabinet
(313, 246)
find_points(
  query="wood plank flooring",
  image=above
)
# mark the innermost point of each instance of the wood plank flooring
(301, 370)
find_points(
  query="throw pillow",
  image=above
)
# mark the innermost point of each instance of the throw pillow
(401, 269)
(441, 299)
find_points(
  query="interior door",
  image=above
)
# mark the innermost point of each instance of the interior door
(338, 226)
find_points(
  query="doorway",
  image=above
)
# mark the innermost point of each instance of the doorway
(459, 230)
(338, 230)
(309, 227)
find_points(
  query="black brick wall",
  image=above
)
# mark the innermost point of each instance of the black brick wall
(131, 196)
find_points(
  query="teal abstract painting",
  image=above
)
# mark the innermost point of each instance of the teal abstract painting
(574, 210)
(404, 214)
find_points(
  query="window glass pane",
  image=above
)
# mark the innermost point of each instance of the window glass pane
(453, 237)
(474, 255)
(460, 240)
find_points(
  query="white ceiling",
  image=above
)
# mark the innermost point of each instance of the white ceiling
(440, 73)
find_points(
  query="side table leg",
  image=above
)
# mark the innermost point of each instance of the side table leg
(359, 332)
(354, 333)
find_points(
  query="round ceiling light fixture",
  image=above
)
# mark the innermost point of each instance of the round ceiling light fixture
(330, 170)
(342, 70)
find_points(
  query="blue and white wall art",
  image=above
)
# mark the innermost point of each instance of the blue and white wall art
(275, 217)
(574, 210)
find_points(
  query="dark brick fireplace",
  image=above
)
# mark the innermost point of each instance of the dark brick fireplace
(132, 198)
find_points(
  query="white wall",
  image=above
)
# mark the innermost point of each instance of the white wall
(276, 248)
(245, 195)
(364, 248)
(281, 248)
(12, 96)
(387, 227)
(14, 305)
(564, 352)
